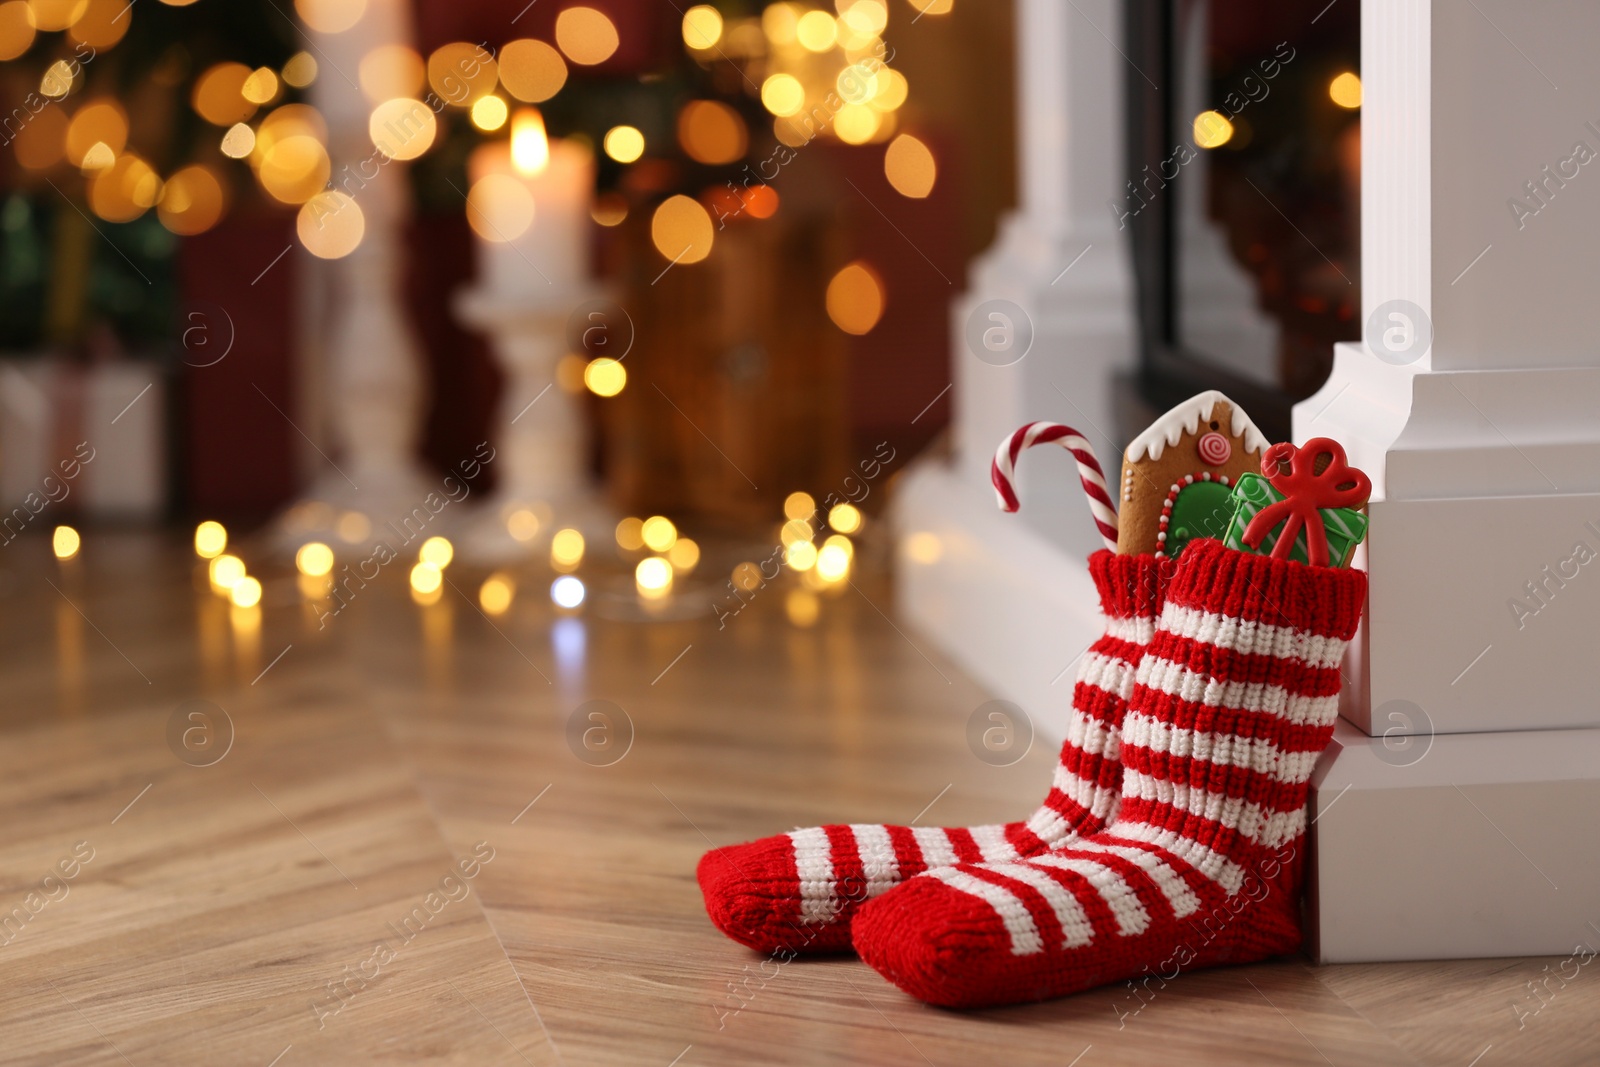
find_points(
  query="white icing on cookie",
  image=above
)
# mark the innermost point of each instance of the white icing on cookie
(1186, 418)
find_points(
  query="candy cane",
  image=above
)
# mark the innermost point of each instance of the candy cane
(1094, 480)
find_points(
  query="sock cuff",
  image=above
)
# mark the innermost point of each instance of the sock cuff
(1130, 586)
(1321, 600)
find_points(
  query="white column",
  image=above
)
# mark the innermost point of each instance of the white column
(1485, 455)
(1009, 596)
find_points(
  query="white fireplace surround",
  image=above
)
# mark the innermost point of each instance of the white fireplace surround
(1467, 764)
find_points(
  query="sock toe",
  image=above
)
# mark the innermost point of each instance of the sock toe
(930, 940)
(752, 894)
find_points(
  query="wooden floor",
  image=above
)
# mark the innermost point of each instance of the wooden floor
(302, 899)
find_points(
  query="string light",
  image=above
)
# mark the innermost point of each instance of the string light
(65, 542)
(799, 505)
(426, 578)
(659, 533)
(855, 299)
(605, 376)
(224, 571)
(245, 593)
(566, 550)
(210, 538)
(846, 518)
(630, 534)
(653, 577)
(314, 559)
(567, 592)
(624, 143)
(496, 594)
(684, 555)
(587, 36)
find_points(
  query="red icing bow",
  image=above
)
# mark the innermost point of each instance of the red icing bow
(1305, 492)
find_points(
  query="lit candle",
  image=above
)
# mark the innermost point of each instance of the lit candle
(529, 205)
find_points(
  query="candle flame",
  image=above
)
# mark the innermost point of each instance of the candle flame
(530, 148)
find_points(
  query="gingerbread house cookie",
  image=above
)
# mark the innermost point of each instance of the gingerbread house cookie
(1177, 476)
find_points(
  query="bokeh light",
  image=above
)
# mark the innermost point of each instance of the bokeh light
(891, 91)
(461, 72)
(855, 299)
(330, 226)
(816, 31)
(802, 607)
(684, 555)
(1345, 90)
(239, 141)
(389, 71)
(531, 70)
(294, 169)
(125, 190)
(712, 132)
(605, 376)
(192, 201)
(630, 534)
(437, 551)
(426, 578)
(681, 230)
(330, 16)
(795, 531)
(801, 555)
(261, 87)
(52, 15)
(16, 29)
(218, 95)
(846, 518)
(799, 505)
(1212, 129)
(566, 549)
(567, 592)
(624, 143)
(65, 542)
(659, 533)
(653, 577)
(496, 593)
(833, 561)
(489, 113)
(210, 538)
(97, 122)
(523, 525)
(301, 70)
(224, 571)
(909, 166)
(245, 593)
(403, 128)
(314, 559)
(702, 27)
(782, 94)
(855, 123)
(499, 208)
(58, 79)
(102, 24)
(586, 36)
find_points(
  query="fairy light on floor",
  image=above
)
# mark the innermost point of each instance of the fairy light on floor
(567, 592)
(210, 539)
(630, 534)
(795, 531)
(653, 577)
(65, 543)
(437, 551)
(801, 556)
(225, 571)
(426, 583)
(799, 505)
(245, 593)
(315, 559)
(684, 555)
(833, 560)
(566, 550)
(659, 533)
(845, 518)
(523, 525)
(496, 594)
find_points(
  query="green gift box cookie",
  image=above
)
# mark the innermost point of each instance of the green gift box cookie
(1345, 527)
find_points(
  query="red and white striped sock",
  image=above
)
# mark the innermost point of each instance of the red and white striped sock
(1234, 701)
(799, 891)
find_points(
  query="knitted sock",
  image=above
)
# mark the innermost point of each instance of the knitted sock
(1233, 702)
(798, 891)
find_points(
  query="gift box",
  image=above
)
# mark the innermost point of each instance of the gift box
(1345, 527)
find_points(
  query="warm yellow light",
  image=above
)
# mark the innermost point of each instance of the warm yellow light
(924, 547)
(330, 16)
(681, 230)
(437, 551)
(428, 597)
(245, 593)
(389, 71)
(489, 113)
(496, 593)
(290, 120)
(868, 17)
(702, 27)
(566, 550)
(239, 141)
(846, 518)
(795, 530)
(261, 87)
(98, 157)
(1345, 90)
(191, 201)
(833, 562)
(353, 527)
(404, 128)
(295, 169)
(586, 35)
(16, 29)
(630, 534)
(500, 208)
(531, 70)
(778, 22)
(460, 73)
(57, 80)
(330, 225)
(816, 31)
(98, 122)
(530, 147)
(802, 607)
(624, 143)
(210, 538)
(523, 525)
(855, 299)
(426, 578)
(659, 533)
(218, 94)
(52, 15)
(65, 542)
(125, 190)
(782, 94)
(605, 376)
(684, 555)
(933, 7)
(312, 587)
(1212, 129)
(653, 576)
(747, 577)
(857, 83)
(909, 166)
(301, 70)
(891, 92)
(314, 559)
(855, 123)
(224, 571)
(801, 555)
(712, 132)
(799, 505)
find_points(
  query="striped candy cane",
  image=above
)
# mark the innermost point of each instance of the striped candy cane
(1003, 471)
